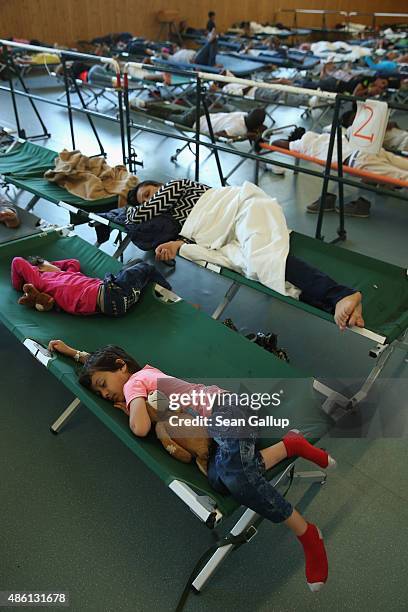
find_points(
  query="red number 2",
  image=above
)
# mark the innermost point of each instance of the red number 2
(357, 132)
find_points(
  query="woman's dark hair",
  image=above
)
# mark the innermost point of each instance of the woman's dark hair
(106, 359)
(132, 194)
(35, 260)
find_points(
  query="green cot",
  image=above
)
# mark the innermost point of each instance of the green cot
(165, 331)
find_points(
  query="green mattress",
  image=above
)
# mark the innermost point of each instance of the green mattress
(24, 167)
(28, 226)
(53, 193)
(383, 285)
(175, 337)
(27, 159)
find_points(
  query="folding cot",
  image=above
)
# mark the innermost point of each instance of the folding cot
(183, 129)
(164, 63)
(23, 165)
(30, 225)
(276, 99)
(385, 297)
(222, 43)
(180, 88)
(94, 89)
(177, 338)
(293, 59)
(238, 66)
(323, 29)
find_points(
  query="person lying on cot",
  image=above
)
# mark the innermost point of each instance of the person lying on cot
(340, 81)
(237, 124)
(76, 293)
(8, 214)
(361, 86)
(395, 138)
(236, 465)
(259, 249)
(388, 64)
(104, 75)
(267, 95)
(206, 56)
(316, 145)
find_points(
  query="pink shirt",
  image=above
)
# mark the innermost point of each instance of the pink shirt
(72, 291)
(195, 395)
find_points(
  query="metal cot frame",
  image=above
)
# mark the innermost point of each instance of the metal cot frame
(128, 152)
(336, 404)
(202, 506)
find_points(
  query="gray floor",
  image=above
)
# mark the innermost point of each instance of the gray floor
(79, 513)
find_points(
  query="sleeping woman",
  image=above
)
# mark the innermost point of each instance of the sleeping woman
(241, 228)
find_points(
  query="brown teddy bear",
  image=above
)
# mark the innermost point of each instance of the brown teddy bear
(36, 299)
(182, 441)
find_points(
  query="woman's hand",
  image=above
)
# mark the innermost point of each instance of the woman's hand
(168, 250)
(59, 346)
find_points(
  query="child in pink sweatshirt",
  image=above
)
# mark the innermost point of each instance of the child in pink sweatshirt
(77, 293)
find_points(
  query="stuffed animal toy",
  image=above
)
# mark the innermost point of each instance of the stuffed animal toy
(36, 299)
(183, 441)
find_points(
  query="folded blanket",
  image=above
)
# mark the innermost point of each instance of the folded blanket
(91, 178)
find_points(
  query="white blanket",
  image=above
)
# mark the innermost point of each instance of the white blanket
(241, 228)
(347, 53)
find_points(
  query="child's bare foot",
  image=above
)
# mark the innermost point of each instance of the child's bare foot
(348, 307)
(9, 217)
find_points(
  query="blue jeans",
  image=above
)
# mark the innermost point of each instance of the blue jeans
(236, 466)
(122, 291)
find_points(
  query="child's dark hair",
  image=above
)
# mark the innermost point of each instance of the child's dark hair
(35, 260)
(132, 194)
(211, 14)
(106, 359)
(255, 119)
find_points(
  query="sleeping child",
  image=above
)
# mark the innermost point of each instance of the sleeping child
(74, 292)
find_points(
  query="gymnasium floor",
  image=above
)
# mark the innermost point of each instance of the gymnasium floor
(81, 514)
